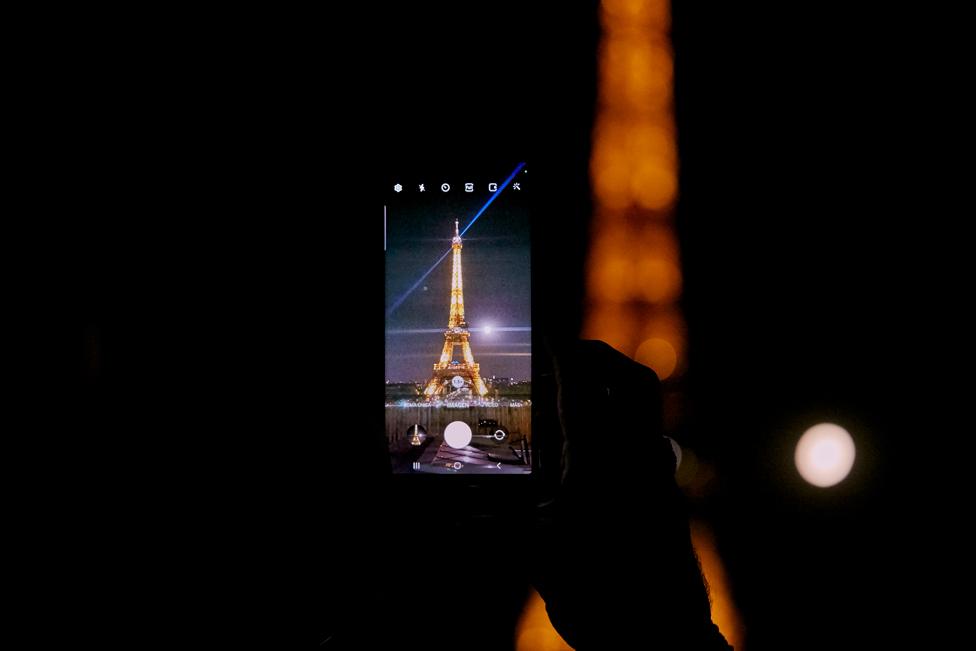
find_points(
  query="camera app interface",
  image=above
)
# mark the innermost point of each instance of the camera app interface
(458, 321)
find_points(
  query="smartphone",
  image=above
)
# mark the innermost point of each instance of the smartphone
(459, 342)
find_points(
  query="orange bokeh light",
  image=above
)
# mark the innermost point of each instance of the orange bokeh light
(659, 354)
(724, 612)
(653, 185)
(636, 75)
(658, 279)
(634, 277)
(611, 184)
(612, 277)
(665, 324)
(637, 14)
(535, 631)
(658, 240)
(654, 138)
(614, 323)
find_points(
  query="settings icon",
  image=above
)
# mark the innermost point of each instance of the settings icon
(397, 188)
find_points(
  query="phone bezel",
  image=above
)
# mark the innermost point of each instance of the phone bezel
(483, 490)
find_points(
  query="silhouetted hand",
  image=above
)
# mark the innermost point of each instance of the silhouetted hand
(617, 567)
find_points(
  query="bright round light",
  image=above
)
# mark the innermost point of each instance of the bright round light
(825, 454)
(487, 330)
(659, 354)
(457, 434)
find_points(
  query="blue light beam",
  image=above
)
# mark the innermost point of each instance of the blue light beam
(494, 196)
(397, 303)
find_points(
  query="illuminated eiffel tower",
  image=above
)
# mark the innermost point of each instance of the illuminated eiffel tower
(450, 375)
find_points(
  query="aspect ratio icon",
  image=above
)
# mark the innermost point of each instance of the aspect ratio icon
(445, 187)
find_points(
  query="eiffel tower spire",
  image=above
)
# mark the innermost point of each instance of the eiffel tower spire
(457, 283)
(450, 374)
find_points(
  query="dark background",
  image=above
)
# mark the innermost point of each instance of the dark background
(810, 172)
(193, 344)
(813, 175)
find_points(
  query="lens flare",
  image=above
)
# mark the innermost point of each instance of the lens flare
(825, 455)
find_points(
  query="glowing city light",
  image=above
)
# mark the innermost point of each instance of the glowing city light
(825, 454)
(659, 354)
(457, 434)
(634, 277)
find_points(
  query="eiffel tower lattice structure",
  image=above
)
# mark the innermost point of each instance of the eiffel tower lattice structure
(456, 378)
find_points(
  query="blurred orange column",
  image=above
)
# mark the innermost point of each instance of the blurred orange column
(634, 276)
(633, 273)
(634, 267)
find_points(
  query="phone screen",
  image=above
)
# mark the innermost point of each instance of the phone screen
(458, 355)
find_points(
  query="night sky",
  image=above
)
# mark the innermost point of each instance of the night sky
(495, 265)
